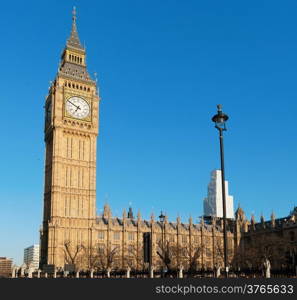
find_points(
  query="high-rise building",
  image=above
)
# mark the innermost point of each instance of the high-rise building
(5, 267)
(31, 256)
(213, 203)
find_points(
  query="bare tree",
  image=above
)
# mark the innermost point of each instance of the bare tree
(218, 252)
(93, 258)
(266, 249)
(73, 254)
(194, 252)
(105, 257)
(133, 256)
(168, 253)
(238, 262)
(175, 256)
(218, 255)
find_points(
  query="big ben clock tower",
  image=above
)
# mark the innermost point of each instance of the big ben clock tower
(70, 134)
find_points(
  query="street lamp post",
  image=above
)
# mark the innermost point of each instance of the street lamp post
(220, 123)
(162, 219)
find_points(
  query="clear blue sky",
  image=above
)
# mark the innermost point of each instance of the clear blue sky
(163, 66)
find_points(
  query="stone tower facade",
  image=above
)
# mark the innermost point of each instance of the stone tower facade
(70, 135)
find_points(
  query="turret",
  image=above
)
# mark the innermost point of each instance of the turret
(152, 218)
(124, 216)
(253, 222)
(106, 211)
(239, 214)
(272, 217)
(138, 216)
(190, 221)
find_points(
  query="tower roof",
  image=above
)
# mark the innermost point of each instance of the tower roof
(73, 58)
(73, 40)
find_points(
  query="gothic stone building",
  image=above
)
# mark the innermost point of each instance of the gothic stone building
(189, 245)
(71, 232)
(197, 246)
(275, 240)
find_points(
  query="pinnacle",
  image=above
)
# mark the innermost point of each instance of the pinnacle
(73, 40)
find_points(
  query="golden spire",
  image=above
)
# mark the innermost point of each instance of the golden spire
(73, 40)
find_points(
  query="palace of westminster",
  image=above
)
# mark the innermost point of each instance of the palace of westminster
(71, 231)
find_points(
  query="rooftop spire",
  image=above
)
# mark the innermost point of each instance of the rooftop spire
(73, 40)
(74, 14)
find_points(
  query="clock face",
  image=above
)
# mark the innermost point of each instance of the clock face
(77, 107)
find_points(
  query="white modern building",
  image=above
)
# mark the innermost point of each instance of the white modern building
(213, 203)
(31, 256)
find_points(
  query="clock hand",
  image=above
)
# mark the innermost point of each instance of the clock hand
(72, 103)
(77, 108)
